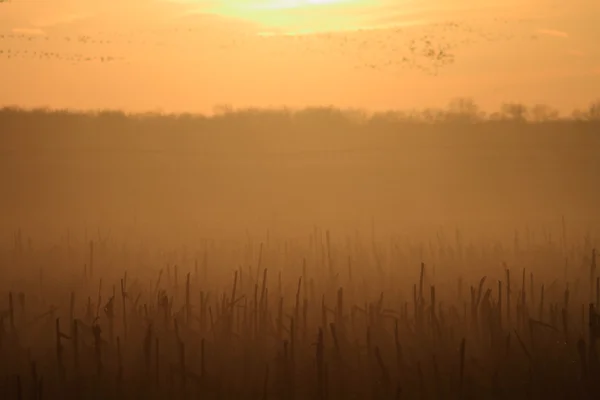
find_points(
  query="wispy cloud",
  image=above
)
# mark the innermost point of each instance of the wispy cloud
(54, 20)
(29, 31)
(553, 32)
(342, 15)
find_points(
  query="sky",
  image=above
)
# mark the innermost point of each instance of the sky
(192, 55)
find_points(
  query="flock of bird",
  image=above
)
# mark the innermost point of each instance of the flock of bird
(41, 47)
(426, 48)
(51, 55)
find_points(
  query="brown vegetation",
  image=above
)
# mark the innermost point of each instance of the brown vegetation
(187, 297)
(298, 319)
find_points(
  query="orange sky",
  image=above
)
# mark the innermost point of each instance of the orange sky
(189, 55)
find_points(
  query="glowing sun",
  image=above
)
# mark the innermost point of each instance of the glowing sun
(281, 4)
(292, 16)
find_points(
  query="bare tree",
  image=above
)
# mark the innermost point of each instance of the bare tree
(514, 111)
(593, 112)
(463, 109)
(543, 112)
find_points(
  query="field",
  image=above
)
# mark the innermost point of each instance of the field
(311, 255)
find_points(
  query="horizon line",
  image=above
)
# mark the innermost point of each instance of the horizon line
(477, 113)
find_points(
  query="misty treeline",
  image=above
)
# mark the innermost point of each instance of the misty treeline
(461, 109)
(293, 168)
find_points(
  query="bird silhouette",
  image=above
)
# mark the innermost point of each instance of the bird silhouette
(426, 48)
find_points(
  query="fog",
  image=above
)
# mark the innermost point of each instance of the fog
(242, 171)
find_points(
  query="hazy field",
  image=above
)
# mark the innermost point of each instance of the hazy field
(310, 255)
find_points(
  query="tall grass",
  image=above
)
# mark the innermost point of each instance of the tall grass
(297, 319)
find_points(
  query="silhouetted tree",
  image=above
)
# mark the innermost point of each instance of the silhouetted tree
(514, 111)
(593, 112)
(433, 115)
(463, 109)
(542, 112)
(578, 114)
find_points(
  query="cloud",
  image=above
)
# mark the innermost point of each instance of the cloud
(208, 21)
(29, 31)
(50, 21)
(553, 32)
